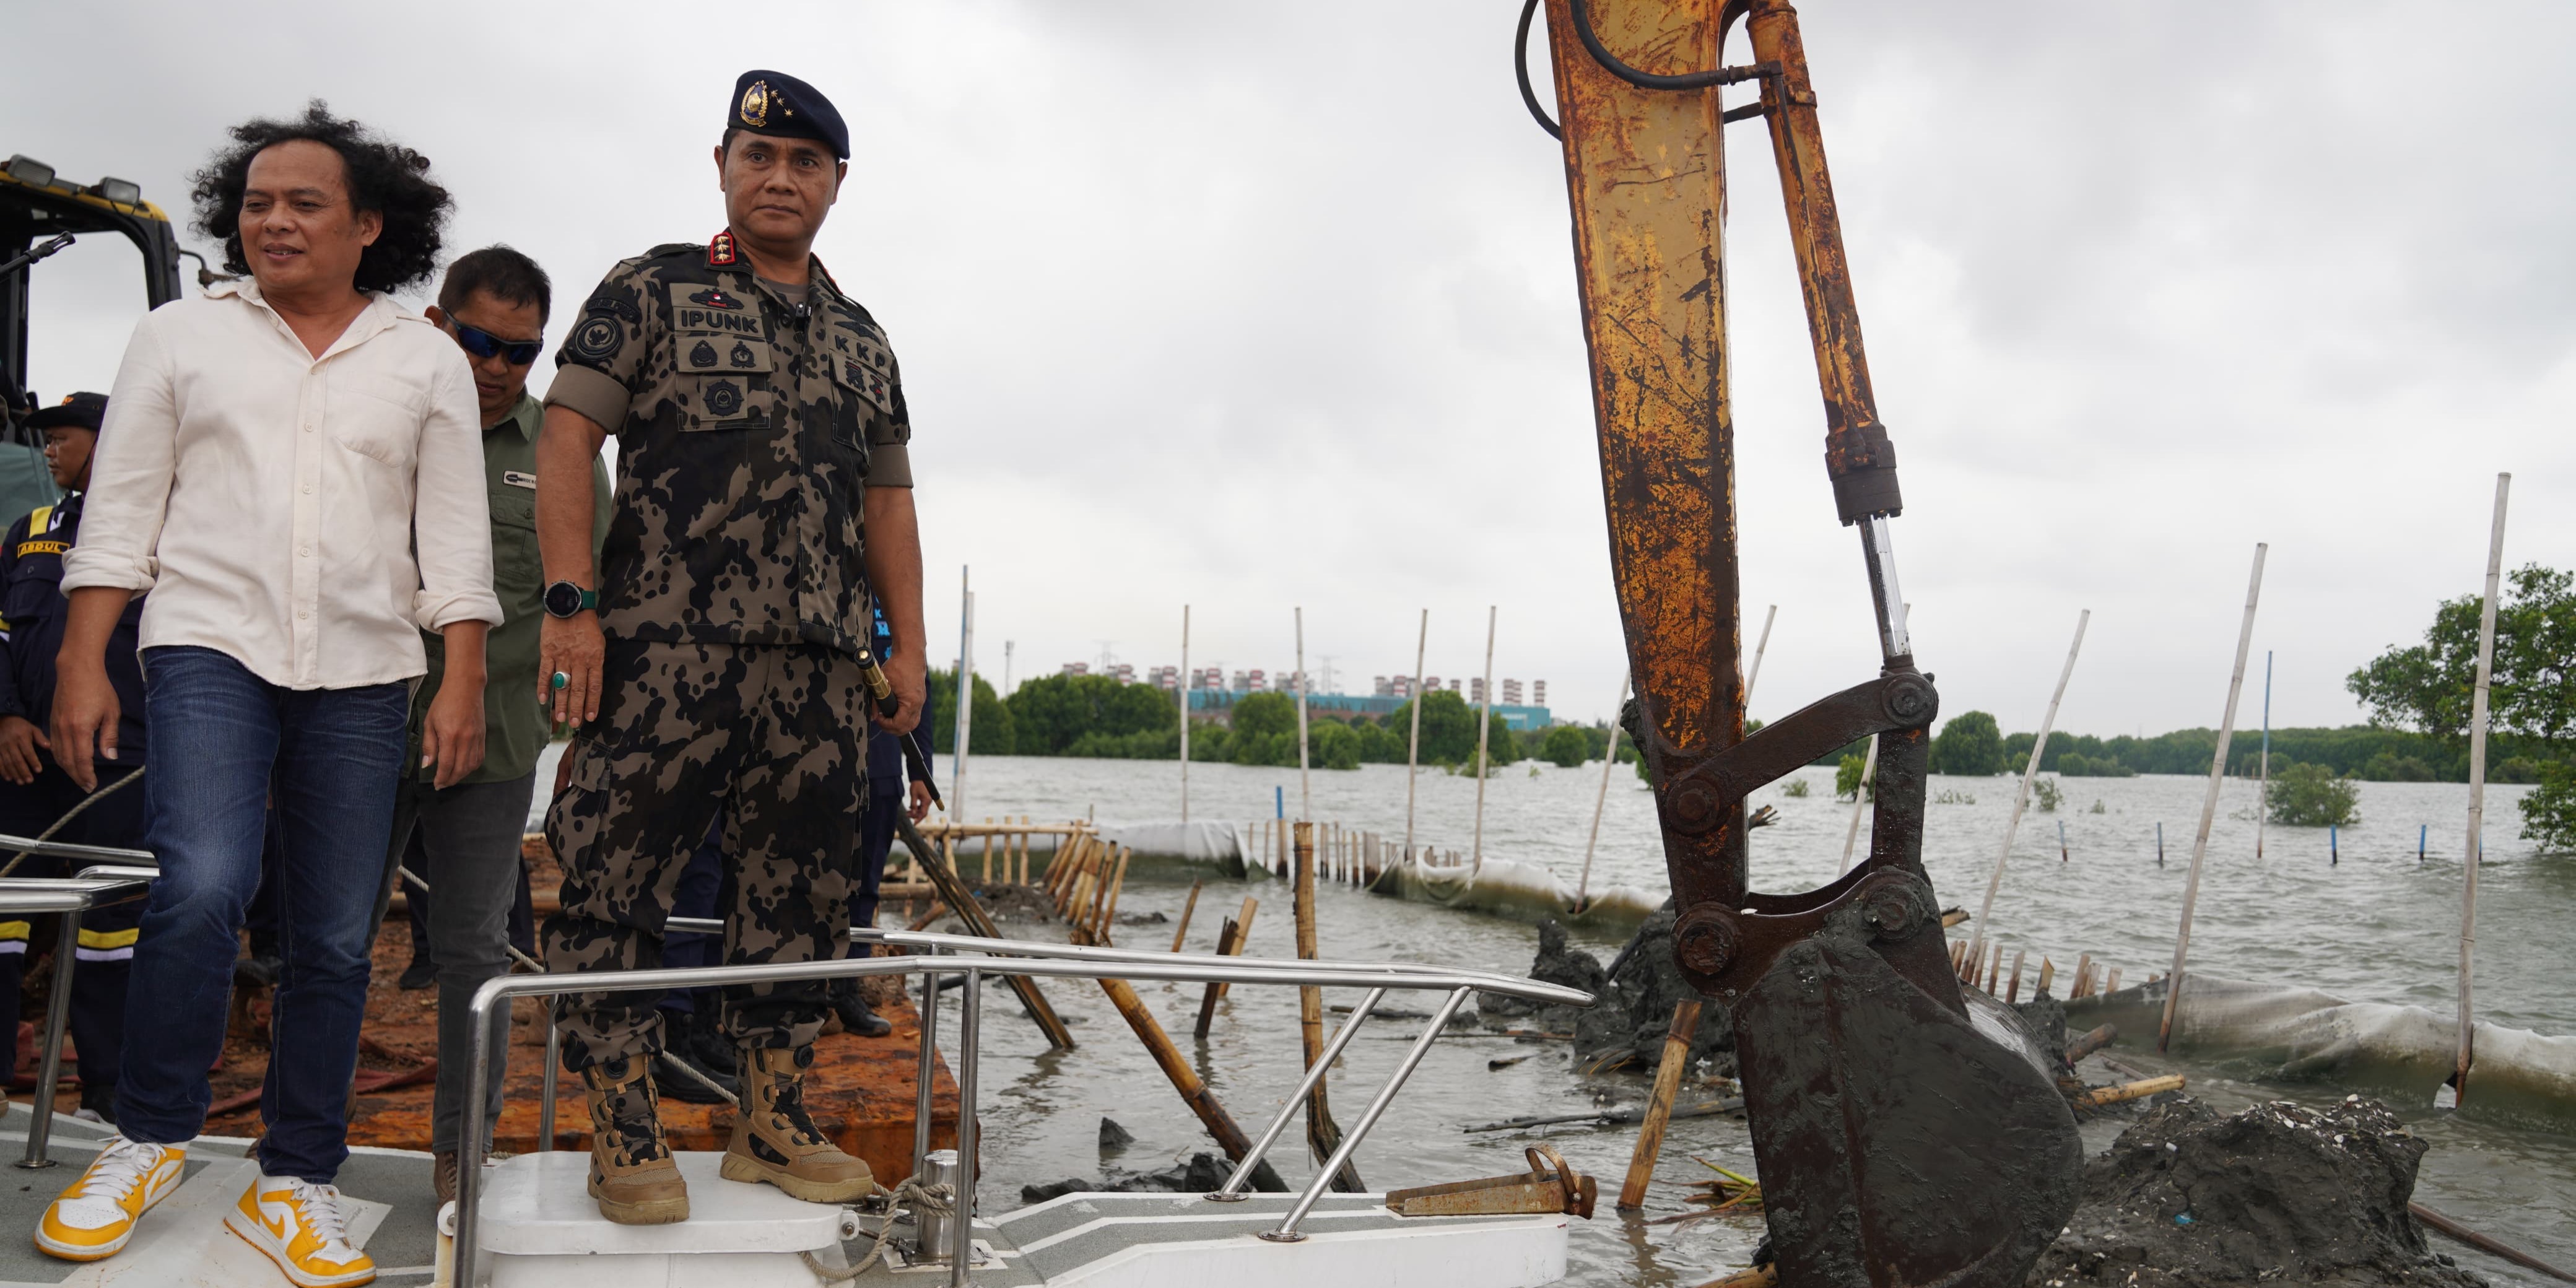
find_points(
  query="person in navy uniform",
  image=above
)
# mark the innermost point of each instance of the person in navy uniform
(892, 789)
(34, 791)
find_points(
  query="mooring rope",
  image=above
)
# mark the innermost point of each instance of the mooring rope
(927, 1198)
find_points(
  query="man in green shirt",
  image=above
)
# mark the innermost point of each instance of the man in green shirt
(494, 303)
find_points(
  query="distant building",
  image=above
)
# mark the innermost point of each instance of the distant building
(1291, 682)
(1475, 690)
(1399, 686)
(1381, 686)
(1431, 684)
(1209, 678)
(1255, 680)
(1512, 692)
(1077, 668)
(1453, 686)
(1163, 677)
(1121, 672)
(1538, 693)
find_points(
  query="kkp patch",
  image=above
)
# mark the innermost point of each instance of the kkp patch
(724, 398)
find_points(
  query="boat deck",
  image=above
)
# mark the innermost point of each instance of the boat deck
(184, 1243)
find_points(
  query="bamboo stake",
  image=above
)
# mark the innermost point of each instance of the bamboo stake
(965, 693)
(1323, 1135)
(2139, 1090)
(1609, 762)
(2477, 793)
(2209, 803)
(1305, 785)
(1413, 748)
(1109, 910)
(1184, 687)
(1229, 937)
(1186, 909)
(2083, 977)
(1994, 968)
(2112, 985)
(1860, 801)
(2030, 774)
(1659, 1104)
(2047, 969)
(1242, 938)
(988, 851)
(2012, 991)
(1758, 647)
(1484, 723)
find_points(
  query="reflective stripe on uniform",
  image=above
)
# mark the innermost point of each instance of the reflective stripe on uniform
(124, 954)
(13, 932)
(110, 938)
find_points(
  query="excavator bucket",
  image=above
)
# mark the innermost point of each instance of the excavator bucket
(1897, 1145)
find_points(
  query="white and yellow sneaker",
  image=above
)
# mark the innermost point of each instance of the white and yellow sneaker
(95, 1217)
(301, 1227)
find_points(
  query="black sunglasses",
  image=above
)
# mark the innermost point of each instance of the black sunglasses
(484, 344)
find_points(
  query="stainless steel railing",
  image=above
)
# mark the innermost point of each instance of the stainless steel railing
(943, 955)
(96, 887)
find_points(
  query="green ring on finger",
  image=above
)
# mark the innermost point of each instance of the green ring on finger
(561, 680)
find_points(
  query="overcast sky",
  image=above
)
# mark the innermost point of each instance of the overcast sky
(1258, 306)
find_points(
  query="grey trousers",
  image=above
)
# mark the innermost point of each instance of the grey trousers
(471, 833)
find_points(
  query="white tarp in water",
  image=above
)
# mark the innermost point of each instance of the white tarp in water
(1523, 891)
(1216, 845)
(2401, 1052)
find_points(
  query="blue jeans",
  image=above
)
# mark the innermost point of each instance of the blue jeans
(332, 756)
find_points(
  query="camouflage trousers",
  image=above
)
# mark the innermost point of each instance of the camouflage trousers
(769, 738)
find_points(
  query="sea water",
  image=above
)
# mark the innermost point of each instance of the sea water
(2379, 926)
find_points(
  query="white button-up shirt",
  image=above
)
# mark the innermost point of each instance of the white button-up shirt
(272, 501)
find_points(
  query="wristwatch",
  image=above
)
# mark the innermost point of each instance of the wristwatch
(563, 599)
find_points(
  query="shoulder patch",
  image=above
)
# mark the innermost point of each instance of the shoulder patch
(720, 248)
(596, 339)
(614, 305)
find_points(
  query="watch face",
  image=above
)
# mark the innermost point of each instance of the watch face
(563, 599)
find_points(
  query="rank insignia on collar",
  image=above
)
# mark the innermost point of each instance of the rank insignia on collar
(714, 297)
(720, 250)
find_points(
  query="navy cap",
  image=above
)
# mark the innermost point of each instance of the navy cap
(75, 411)
(781, 106)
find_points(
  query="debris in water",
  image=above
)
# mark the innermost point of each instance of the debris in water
(1114, 1137)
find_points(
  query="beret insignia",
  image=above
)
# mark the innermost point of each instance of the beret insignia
(755, 105)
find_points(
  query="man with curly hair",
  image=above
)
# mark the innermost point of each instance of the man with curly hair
(712, 656)
(293, 467)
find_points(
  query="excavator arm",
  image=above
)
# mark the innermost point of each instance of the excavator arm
(1898, 1146)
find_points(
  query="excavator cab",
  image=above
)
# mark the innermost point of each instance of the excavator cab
(41, 213)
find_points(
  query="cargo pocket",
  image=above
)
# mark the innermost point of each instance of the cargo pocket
(574, 818)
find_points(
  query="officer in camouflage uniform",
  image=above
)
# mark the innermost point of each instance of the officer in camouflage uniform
(711, 668)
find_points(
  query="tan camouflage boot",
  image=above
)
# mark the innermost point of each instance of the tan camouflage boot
(775, 1140)
(631, 1170)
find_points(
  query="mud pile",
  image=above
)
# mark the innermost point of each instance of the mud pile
(2277, 1194)
(1637, 992)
